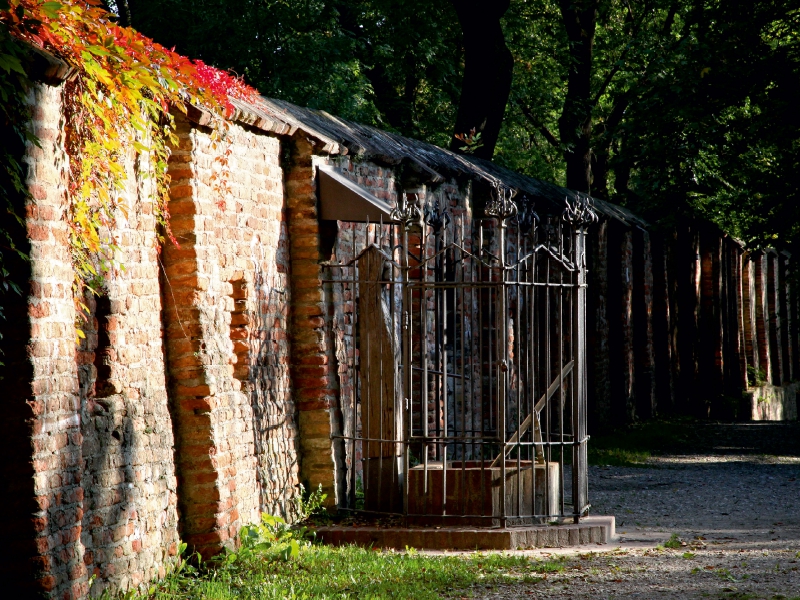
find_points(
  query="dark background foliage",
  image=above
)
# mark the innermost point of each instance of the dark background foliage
(672, 107)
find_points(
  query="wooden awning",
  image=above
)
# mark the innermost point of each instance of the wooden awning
(342, 200)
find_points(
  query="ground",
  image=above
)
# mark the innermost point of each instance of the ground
(704, 510)
(728, 495)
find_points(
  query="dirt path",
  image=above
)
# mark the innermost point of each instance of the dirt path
(731, 494)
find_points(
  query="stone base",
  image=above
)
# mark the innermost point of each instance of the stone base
(772, 403)
(591, 530)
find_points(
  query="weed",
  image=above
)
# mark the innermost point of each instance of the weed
(277, 561)
(673, 542)
(756, 378)
(311, 504)
(549, 566)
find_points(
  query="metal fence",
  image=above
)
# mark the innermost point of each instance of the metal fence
(461, 359)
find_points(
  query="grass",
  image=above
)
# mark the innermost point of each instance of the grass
(324, 572)
(635, 444)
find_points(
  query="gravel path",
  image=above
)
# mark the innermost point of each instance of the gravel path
(732, 497)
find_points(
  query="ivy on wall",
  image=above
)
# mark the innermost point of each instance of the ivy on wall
(119, 98)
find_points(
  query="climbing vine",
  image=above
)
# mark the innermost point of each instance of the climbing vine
(120, 97)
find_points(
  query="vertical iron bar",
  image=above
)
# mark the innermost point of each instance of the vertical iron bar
(423, 253)
(408, 391)
(547, 378)
(579, 483)
(561, 366)
(503, 375)
(443, 380)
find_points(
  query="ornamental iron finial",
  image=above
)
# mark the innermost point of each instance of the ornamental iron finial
(502, 207)
(436, 215)
(526, 216)
(580, 211)
(409, 213)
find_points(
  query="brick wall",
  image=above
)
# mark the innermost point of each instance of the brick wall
(129, 525)
(215, 375)
(43, 489)
(102, 494)
(226, 293)
(180, 395)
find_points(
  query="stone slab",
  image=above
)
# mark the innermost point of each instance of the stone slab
(591, 530)
(772, 403)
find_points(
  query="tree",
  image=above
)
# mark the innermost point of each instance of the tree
(668, 106)
(488, 70)
(394, 64)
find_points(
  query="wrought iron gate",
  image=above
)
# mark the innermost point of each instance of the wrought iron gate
(461, 361)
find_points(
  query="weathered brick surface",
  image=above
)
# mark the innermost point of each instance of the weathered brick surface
(227, 297)
(316, 396)
(102, 495)
(129, 525)
(40, 379)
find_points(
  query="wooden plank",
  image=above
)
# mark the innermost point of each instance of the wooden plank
(381, 398)
(523, 427)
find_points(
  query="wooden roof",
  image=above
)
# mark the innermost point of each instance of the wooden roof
(340, 136)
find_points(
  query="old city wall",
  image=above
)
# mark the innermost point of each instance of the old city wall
(173, 419)
(90, 478)
(226, 296)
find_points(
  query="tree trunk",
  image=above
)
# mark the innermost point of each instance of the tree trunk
(575, 123)
(488, 69)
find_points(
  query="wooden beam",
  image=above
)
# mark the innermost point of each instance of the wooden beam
(523, 427)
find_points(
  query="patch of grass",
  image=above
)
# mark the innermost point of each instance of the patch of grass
(673, 542)
(546, 566)
(633, 445)
(617, 457)
(323, 572)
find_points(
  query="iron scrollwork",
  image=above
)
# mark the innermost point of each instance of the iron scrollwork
(437, 216)
(580, 211)
(409, 213)
(526, 216)
(502, 207)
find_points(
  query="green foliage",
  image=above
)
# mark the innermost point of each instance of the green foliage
(310, 504)
(14, 116)
(692, 109)
(267, 567)
(692, 101)
(674, 542)
(272, 536)
(395, 64)
(756, 378)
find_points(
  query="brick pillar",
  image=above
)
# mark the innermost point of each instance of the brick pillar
(773, 307)
(762, 313)
(663, 322)
(792, 315)
(599, 387)
(620, 311)
(782, 303)
(642, 308)
(750, 300)
(204, 395)
(710, 359)
(40, 488)
(314, 380)
(739, 283)
(687, 267)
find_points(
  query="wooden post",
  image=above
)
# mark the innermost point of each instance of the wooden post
(381, 397)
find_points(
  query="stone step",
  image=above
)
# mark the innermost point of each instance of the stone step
(591, 530)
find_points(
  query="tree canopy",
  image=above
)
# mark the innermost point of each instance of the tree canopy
(671, 107)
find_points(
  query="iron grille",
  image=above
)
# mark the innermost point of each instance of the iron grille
(461, 359)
